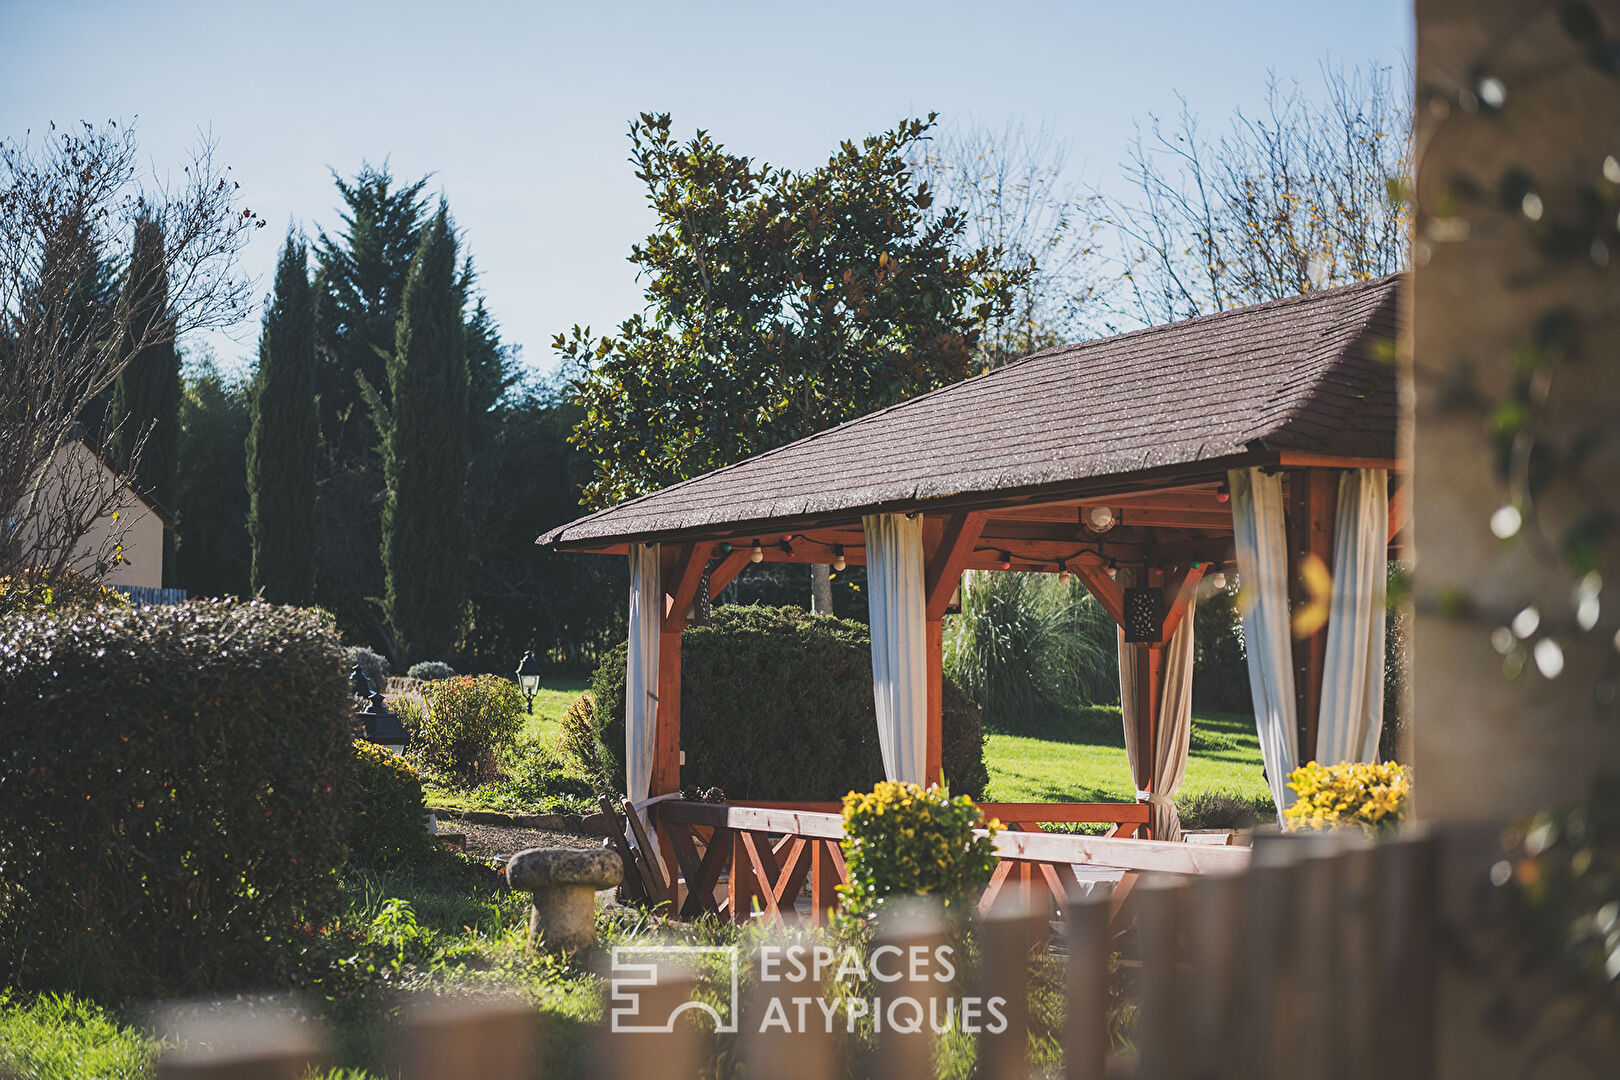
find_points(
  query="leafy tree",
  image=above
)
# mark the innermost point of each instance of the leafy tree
(424, 426)
(779, 303)
(145, 407)
(212, 554)
(281, 446)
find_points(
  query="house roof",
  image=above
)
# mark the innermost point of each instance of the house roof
(1310, 374)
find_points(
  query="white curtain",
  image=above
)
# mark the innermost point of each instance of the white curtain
(641, 670)
(1172, 735)
(1352, 711)
(1262, 557)
(896, 601)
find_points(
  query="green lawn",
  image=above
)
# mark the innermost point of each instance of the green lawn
(550, 702)
(1082, 759)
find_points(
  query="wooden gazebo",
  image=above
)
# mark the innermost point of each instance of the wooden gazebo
(1118, 460)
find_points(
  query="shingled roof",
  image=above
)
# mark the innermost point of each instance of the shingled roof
(1308, 374)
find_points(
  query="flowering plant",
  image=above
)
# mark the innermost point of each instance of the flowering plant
(902, 839)
(1369, 796)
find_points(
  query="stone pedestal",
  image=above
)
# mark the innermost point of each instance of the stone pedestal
(563, 883)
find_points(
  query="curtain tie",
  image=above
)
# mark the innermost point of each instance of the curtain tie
(1156, 799)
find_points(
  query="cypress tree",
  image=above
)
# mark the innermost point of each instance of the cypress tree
(281, 442)
(146, 395)
(425, 452)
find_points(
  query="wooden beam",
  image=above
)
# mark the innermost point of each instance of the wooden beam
(945, 564)
(666, 764)
(729, 567)
(1178, 595)
(685, 577)
(1107, 591)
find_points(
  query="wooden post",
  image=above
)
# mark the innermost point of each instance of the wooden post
(936, 701)
(1313, 498)
(942, 574)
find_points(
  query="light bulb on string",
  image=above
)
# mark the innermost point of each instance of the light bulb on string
(756, 553)
(1063, 573)
(838, 558)
(1006, 560)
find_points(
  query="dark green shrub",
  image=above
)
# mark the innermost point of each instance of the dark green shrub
(466, 724)
(428, 670)
(388, 818)
(776, 703)
(173, 783)
(373, 663)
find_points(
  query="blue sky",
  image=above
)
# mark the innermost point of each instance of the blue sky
(520, 110)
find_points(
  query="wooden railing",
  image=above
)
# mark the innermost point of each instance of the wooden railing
(768, 852)
(1315, 959)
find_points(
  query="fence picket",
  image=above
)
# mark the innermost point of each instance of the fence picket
(1091, 954)
(468, 1039)
(1006, 938)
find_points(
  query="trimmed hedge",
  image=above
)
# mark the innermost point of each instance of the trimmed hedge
(776, 703)
(388, 821)
(173, 783)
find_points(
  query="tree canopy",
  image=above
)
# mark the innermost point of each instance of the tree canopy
(780, 302)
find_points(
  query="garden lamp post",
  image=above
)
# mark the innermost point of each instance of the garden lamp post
(382, 725)
(528, 677)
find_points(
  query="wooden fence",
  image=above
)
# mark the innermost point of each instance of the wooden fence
(768, 851)
(1316, 960)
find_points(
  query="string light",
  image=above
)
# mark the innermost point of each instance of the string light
(1217, 580)
(1222, 494)
(725, 549)
(1063, 572)
(756, 553)
(838, 558)
(1006, 560)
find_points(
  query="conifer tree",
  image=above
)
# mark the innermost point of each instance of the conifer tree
(425, 453)
(281, 443)
(145, 400)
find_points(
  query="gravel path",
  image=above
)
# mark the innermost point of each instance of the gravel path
(487, 841)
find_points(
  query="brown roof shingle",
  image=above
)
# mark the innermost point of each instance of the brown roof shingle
(1308, 373)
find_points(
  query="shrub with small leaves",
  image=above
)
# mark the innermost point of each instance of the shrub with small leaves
(175, 784)
(1368, 796)
(904, 840)
(428, 670)
(467, 723)
(34, 592)
(537, 781)
(388, 815)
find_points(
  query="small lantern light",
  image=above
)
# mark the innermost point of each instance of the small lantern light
(1144, 614)
(756, 553)
(1063, 572)
(382, 726)
(528, 677)
(838, 558)
(1099, 519)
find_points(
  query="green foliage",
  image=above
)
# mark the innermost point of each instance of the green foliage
(1027, 646)
(776, 703)
(59, 1037)
(387, 822)
(1220, 666)
(842, 282)
(428, 670)
(145, 404)
(174, 783)
(537, 780)
(212, 553)
(1225, 810)
(37, 592)
(424, 427)
(576, 741)
(373, 663)
(567, 607)
(283, 440)
(468, 722)
(904, 840)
